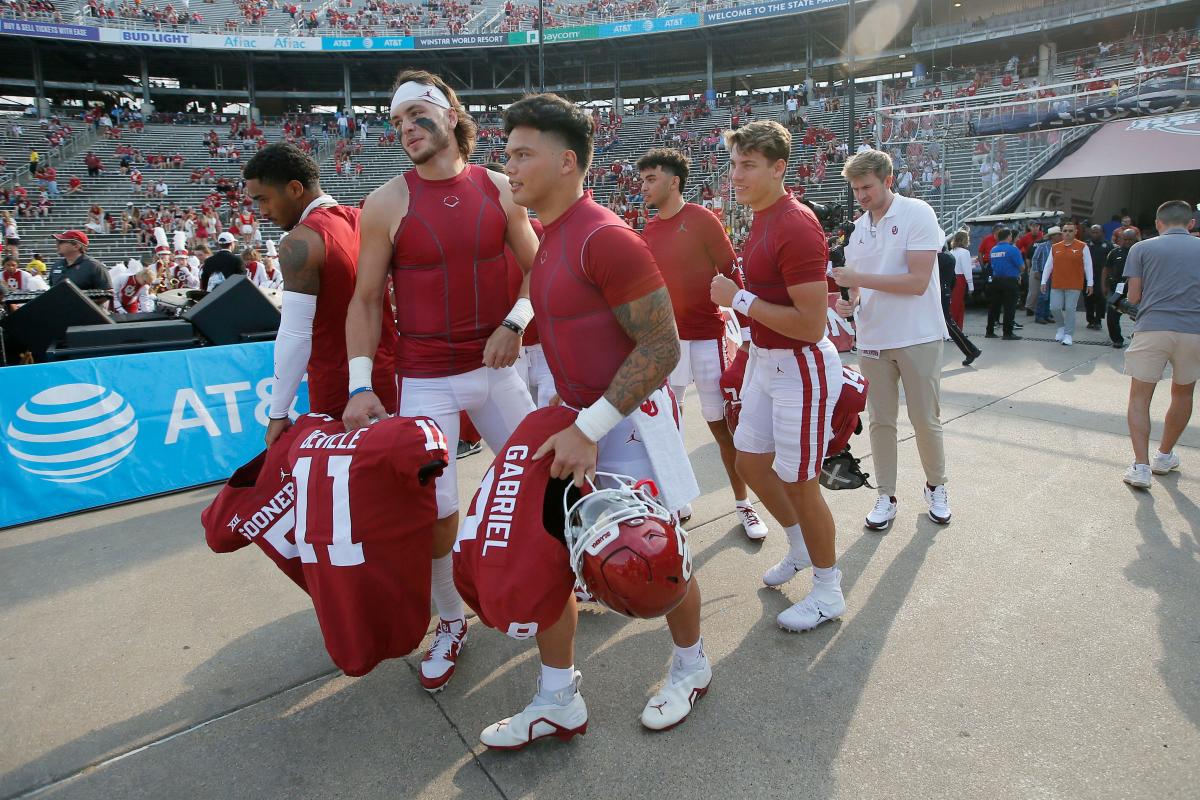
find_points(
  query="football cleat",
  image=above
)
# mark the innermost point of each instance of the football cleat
(788, 568)
(685, 513)
(437, 667)
(675, 699)
(754, 527)
(562, 714)
(822, 605)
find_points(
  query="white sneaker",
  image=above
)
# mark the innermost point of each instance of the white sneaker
(788, 568)
(821, 605)
(1138, 475)
(1067, 340)
(939, 504)
(754, 527)
(685, 513)
(562, 714)
(1058, 337)
(882, 514)
(675, 699)
(1161, 464)
(437, 668)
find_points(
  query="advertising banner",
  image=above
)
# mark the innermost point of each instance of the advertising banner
(49, 30)
(367, 43)
(763, 10)
(462, 40)
(570, 34)
(93, 432)
(639, 26)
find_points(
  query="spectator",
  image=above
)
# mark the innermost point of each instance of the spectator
(1004, 286)
(16, 279)
(37, 266)
(1113, 277)
(985, 247)
(34, 160)
(74, 185)
(94, 165)
(1164, 281)
(75, 265)
(1100, 248)
(1074, 263)
(12, 236)
(221, 265)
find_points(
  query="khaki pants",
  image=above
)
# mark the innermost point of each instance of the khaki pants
(919, 368)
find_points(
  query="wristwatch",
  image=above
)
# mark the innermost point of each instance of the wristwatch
(514, 327)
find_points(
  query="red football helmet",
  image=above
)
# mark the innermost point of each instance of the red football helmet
(626, 549)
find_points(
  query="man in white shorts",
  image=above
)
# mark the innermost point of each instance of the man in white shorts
(690, 247)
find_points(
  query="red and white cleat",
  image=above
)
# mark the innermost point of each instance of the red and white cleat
(562, 714)
(437, 668)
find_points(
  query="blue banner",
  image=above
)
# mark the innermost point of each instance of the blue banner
(677, 22)
(762, 10)
(88, 433)
(50, 30)
(366, 43)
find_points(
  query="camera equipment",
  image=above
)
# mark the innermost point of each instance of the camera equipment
(830, 215)
(1121, 303)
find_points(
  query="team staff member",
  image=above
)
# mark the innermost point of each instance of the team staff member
(1005, 286)
(75, 264)
(319, 260)
(609, 336)
(1164, 282)
(794, 374)
(1099, 247)
(690, 246)
(440, 230)
(890, 260)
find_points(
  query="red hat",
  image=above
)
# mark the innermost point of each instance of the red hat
(72, 236)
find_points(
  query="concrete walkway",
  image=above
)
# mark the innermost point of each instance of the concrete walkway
(1045, 644)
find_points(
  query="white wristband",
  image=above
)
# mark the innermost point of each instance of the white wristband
(522, 313)
(598, 419)
(360, 372)
(742, 300)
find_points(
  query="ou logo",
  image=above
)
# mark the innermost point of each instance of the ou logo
(72, 433)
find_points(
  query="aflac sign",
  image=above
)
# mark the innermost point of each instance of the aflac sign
(83, 434)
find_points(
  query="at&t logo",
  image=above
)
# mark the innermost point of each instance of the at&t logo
(72, 433)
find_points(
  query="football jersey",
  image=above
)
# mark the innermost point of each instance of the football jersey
(508, 566)
(349, 517)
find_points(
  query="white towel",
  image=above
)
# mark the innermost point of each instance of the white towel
(664, 444)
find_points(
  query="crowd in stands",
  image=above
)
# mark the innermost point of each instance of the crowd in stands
(380, 16)
(524, 16)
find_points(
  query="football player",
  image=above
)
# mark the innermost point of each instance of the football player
(690, 246)
(526, 540)
(793, 374)
(440, 231)
(609, 336)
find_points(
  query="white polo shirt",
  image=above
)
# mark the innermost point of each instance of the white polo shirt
(885, 320)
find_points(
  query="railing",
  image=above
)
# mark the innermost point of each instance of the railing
(992, 196)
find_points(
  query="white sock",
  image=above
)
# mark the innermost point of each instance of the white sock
(555, 679)
(827, 576)
(687, 656)
(743, 503)
(797, 549)
(445, 594)
(1161, 454)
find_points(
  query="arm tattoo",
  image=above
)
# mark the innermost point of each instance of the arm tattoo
(650, 322)
(298, 274)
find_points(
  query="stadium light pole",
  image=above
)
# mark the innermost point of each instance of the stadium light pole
(850, 144)
(541, 47)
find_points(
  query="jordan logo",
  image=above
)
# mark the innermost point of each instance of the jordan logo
(683, 227)
(633, 437)
(283, 476)
(542, 256)
(780, 370)
(658, 706)
(233, 523)
(450, 201)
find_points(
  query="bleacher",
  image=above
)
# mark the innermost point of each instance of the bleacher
(112, 190)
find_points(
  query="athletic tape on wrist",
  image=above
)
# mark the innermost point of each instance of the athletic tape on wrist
(360, 372)
(598, 419)
(742, 300)
(522, 313)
